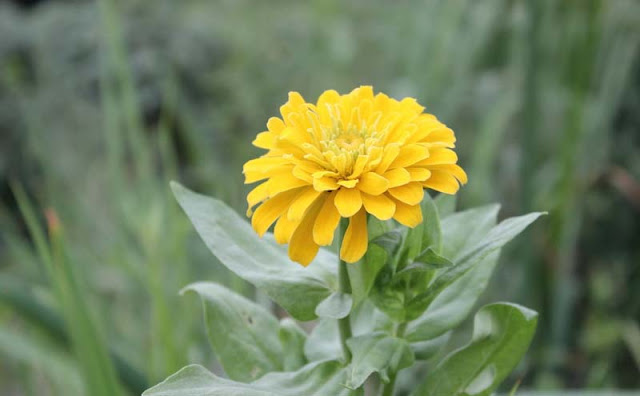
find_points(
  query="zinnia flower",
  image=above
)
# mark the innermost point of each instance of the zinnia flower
(346, 156)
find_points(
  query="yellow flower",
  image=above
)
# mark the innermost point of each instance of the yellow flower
(346, 156)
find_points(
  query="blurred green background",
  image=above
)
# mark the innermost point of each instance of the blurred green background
(103, 102)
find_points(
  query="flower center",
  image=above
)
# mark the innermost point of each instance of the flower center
(349, 142)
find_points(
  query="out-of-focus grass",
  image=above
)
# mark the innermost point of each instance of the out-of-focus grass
(102, 103)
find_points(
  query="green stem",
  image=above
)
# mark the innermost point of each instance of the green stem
(387, 389)
(344, 324)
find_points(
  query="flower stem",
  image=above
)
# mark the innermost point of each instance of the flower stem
(387, 389)
(344, 324)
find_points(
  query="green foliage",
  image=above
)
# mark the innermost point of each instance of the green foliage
(86, 339)
(501, 335)
(336, 306)
(315, 379)
(244, 336)
(377, 352)
(424, 293)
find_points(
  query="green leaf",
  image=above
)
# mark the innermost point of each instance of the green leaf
(432, 232)
(423, 350)
(324, 343)
(451, 307)
(446, 204)
(243, 335)
(412, 244)
(232, 240)
(497, 237)
(501, 335)
(382, 245)
(314, 379)
(336, 306)
(433, 260)
(292, 338)
(389, 241)
(465, 229)
(376, 352)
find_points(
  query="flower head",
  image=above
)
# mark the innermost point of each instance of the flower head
(346, 156)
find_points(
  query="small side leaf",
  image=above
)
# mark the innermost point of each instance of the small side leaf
(432, 259)
(336, 306)
(501, 336)
(376, 352)
(243, 335)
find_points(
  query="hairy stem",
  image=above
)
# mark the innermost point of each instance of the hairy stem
(344, 324)
(387, 389)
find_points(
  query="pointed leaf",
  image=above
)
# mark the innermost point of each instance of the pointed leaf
(315, 379)
(463, 230)
(231, 239)
(494, 240)
(433, 260)
(501, 336)
(243, 335)
(376, 352)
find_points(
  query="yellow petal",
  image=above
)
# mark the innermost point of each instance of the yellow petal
(409, 155)
(397, 177)
(348, 183)
(326, 222)
(411, 193)
(453, 169)
(257, 195)
(302, 248)
(302, 174)
(444, 137)
(372, 183)
(275, 125)
(284, 229)
(419, 174)
(390, 153)
(325, 183)
(271, 209)
(284, 182)
(408, 215)
(264, 140)
(439, 156)
(264, 167)
(356, 239)
(380, 206)
(359, 166)
(443, 182)
(302, 202)
(348, 201)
